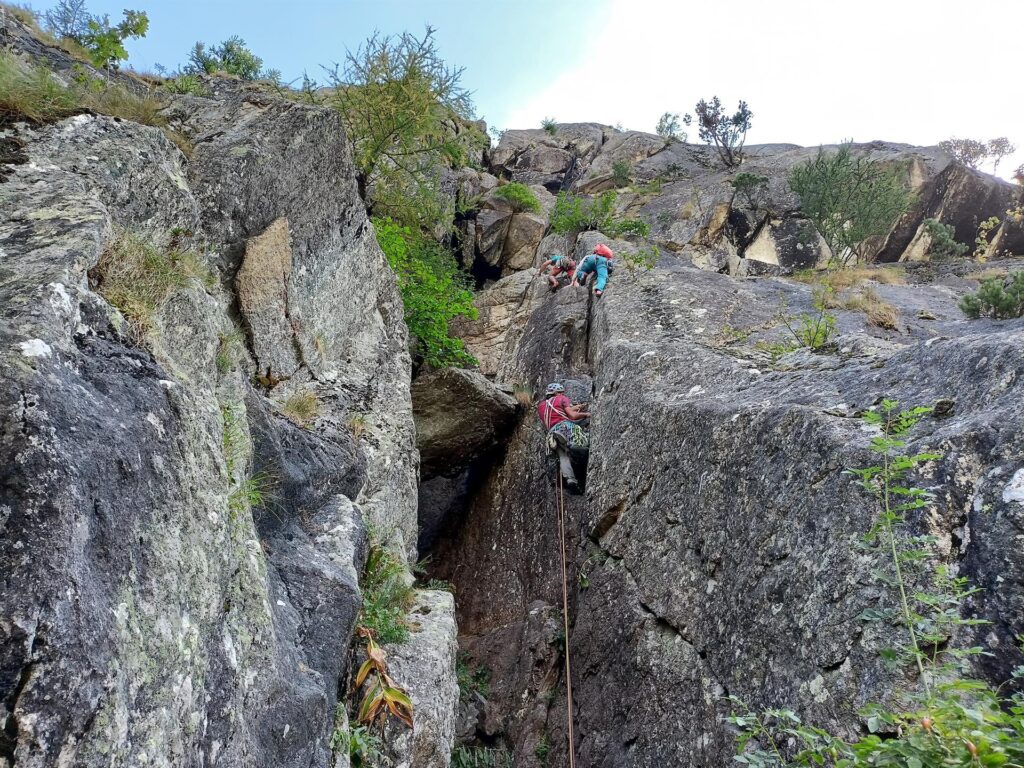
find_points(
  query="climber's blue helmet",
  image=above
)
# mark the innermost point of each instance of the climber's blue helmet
(554, 389)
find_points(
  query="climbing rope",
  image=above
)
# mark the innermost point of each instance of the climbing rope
(565, 619)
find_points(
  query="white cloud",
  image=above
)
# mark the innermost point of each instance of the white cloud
(915, 71)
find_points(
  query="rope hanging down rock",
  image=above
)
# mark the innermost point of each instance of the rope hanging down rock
(565, 620)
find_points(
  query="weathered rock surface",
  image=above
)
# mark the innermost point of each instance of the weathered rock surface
(425, 667)
(716, 550)
(180, 562)
(459, 416)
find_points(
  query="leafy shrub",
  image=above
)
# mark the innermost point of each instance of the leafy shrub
(520, 196)
(726, 133)
(542, 750)
(433, 289)
(668, 127)
(944, 245)
(137, 277)
(186, 83)
(849, 198)
(1018, 175)
(644, 258)
(752, 187)
(364, 747)
(231, 57)
(622, 173)
(550, 125)
(813, 330)
(573, 214)
(386, 596)
(403, 107)
(998, 298)
(981, 242)
(105, 42)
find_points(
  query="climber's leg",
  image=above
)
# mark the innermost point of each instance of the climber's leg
(565, 465)
(602, 275)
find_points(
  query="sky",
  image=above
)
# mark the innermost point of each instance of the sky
(812, 71)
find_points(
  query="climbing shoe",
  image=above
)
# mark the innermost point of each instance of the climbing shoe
(598, 294)
(571, 486)
(552, 443)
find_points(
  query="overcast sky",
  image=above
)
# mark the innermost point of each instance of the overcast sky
(813, 71)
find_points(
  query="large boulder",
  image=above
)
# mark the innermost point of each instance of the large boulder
(459, 415)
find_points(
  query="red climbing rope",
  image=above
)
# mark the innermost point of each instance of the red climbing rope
(565, 619)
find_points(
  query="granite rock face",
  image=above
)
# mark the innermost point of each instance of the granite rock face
(180, 561)
(716, 549)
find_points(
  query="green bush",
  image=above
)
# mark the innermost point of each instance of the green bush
(668, 127)
(998, 298)
(814, 329)
(573, 214)
(726, 133)
(471, 679)
(622, 173)
(644, 258)
(944, 244)
(550, 125)
(520, 196)
(481, 757)
(434, 291)
(231, 57)
(850, 198)
(185, 83)
(364, 748)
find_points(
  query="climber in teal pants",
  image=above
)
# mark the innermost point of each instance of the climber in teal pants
(599, 262)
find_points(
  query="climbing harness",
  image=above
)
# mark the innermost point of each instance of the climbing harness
(565, 621)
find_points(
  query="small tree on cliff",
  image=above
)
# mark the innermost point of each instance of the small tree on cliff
(726, 133)
(402, 106)
(850, 198)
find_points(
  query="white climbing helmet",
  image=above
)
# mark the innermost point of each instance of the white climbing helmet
(554, 388)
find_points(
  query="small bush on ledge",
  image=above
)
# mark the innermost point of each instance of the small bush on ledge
(519, 196)
(1000, 299)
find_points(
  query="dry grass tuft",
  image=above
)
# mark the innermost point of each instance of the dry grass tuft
(137, 277)
(986, 274)
(880, 313)
(523, 395)
(850, 277)
(302, 408)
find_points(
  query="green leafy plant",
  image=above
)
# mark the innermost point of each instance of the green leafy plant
(643, 258)
(812, 329)
(998, 298)
(387, 595)
(434, 291)
(542, 750)
(105, 42)
(364, 748)
(231, 57)
(137, 277)
(519, 196)
(472, 679)
(383, 697)
(249, 493)
(850, 198)
(574, 214)
(776, 350)
(726, 133)
(550, 125)
(751, 188)
(944, 245)
(356, 424)
(981, 242)
(481, 757)
(622, 172)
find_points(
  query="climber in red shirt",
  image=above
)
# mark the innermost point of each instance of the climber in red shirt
(559, 417)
